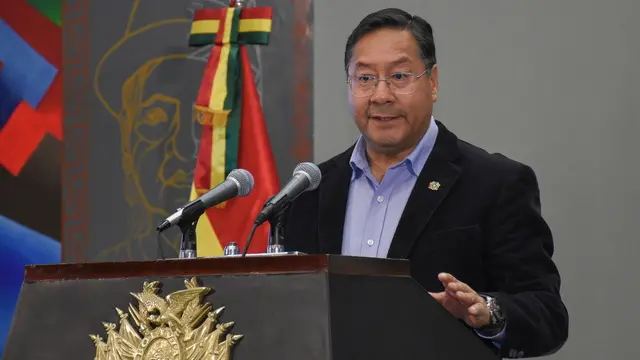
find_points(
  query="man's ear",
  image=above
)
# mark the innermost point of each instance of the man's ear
(433, 81)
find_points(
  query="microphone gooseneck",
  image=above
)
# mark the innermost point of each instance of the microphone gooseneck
(306, 177)
(239, 182)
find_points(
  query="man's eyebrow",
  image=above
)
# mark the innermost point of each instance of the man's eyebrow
(400, 60)
(360, 64)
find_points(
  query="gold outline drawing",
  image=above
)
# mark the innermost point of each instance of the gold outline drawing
(134, 145)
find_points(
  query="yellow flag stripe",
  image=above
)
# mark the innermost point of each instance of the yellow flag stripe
(218, 148)
(255, 25)
(219, 91)
(205, 26)
(246, 25)
(228, 23)
(207, 240)
(219, 86)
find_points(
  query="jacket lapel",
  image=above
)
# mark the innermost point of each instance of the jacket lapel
(437, 178)
(332, 204)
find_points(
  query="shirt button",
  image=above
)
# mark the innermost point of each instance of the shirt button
(380, 198)
(370, 242)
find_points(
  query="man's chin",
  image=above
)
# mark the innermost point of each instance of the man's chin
(384, 144)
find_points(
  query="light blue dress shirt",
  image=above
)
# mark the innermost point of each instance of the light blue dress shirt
(374, 208)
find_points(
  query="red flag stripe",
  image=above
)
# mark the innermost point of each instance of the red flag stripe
(206, 86)
(256, 13)
(202, 175)
(248, 13)
(209, 14)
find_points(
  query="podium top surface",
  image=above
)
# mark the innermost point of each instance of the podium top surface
(274, 264)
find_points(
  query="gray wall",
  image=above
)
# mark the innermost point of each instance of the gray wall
(550, 84)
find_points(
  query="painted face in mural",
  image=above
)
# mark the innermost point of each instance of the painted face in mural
(137, 83)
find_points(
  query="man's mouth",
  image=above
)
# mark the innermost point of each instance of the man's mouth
(384, 118)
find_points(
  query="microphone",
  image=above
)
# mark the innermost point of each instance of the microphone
(238, 183)
(306, 177)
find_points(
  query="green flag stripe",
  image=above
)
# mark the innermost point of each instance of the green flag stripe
(234, 26)
(233, 129)
(254, 38)
(233, 77)
(201, 39)
(245, 38)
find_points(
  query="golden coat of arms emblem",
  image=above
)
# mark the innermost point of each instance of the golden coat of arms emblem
(177, 327)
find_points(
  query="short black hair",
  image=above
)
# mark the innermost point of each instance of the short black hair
(397, 19)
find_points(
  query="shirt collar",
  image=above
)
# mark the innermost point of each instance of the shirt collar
(414, 161)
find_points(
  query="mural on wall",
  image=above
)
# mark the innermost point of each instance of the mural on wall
(30, 143)
(131, 137)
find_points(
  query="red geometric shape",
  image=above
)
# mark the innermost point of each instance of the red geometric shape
(20, 137)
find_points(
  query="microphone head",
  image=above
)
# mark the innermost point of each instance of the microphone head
(312, 171)
(243, 179)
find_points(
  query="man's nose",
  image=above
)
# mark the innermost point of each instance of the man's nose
(382, 93)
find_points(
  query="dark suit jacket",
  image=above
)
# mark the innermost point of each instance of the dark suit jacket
(483, 225)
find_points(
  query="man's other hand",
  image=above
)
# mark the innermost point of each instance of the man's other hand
(462, 301)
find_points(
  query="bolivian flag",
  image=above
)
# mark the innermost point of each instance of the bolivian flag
(234, 134)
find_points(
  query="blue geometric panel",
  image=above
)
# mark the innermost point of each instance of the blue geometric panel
(19, 246)
(25, 73)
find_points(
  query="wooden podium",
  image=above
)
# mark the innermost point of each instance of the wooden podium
(297, 307)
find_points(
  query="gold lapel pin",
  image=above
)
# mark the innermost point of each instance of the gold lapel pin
(434, 185)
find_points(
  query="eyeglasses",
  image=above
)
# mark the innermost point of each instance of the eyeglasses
(400, 83)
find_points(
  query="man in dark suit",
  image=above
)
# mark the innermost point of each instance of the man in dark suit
(468, 221)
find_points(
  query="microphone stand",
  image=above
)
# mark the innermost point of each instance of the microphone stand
(188, 246)
(276, 233)
(190, 215)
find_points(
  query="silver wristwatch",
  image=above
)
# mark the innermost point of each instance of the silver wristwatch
(496, 315)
